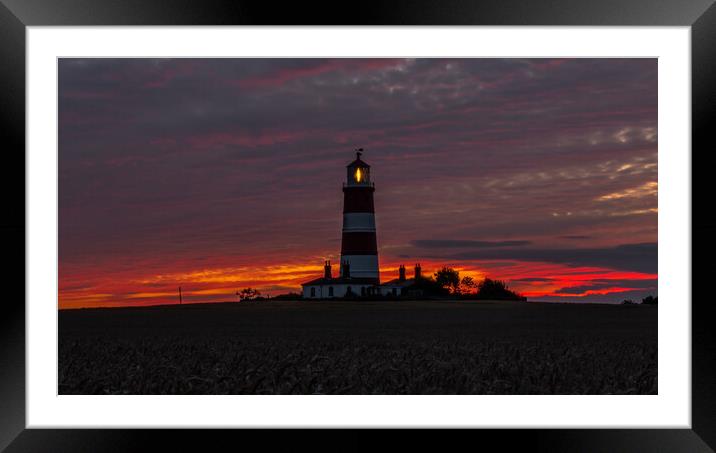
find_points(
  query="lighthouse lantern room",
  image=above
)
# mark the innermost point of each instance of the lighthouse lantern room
(358, 172)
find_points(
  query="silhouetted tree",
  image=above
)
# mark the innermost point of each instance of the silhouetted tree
(429, 287)
(628, 302)
(649, 300)
(496, 290)
(249, 293)
(467, 285)
(448, 278)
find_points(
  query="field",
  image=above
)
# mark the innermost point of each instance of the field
(398, 347)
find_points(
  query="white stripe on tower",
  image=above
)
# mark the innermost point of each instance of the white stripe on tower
(362, 266)
(359, 221)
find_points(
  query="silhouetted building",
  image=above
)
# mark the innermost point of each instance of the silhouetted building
(402, 286)
(359, 274)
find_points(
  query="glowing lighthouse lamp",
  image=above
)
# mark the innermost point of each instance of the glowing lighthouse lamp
(358, 171)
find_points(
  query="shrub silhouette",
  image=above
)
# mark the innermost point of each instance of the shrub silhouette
(496, 290)
(429, 287)
(249, 294)
(628, 302)
(288, 296)
(649, 300)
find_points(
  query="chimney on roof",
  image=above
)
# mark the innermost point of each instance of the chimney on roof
(346, 270)
(417, 271)
(401, 271)
(327, 270)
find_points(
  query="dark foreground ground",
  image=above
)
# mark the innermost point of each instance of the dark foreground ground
(399, 347)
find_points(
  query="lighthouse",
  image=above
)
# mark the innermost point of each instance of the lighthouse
(359, 275)
(359, 245)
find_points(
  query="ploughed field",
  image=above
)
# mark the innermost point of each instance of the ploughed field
(360, 347)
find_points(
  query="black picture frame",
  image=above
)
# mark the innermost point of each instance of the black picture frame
(16, 15)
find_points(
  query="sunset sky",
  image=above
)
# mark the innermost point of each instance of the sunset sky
(220, 174)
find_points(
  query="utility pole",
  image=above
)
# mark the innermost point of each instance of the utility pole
(180, 295)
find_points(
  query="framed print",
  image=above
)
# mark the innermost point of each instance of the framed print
(441, 217)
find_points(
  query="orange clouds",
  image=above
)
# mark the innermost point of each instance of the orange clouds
(220, 284)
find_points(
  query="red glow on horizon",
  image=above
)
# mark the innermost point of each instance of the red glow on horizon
(97, 288)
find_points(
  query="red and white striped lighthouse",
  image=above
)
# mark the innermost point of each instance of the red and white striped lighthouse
(359, 248)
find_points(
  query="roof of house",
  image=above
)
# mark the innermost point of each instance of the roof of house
(399, 282)
(342, 281)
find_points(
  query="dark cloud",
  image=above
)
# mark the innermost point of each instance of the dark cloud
(603, 284)
(576, 237)
(456, 243)
(632, 257)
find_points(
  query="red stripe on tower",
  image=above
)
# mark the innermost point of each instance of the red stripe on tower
(358, 199)
(359, 243)
(359, 248)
